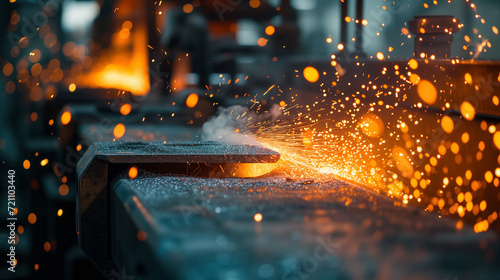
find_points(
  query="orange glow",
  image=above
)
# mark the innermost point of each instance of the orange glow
(380, 56)
(59, 212)
(63, 190)
(8, 69)
(403, 163)
(32, 218)
(427, 92)
(72, 87)
(465, 137)
(413, 64)
(192, 100)
(188, 8)
(257, 217)
(46, 246)
(415, 79)
(447, 124)
(329, 40)
(340, 47)
(311, 74)
(254, 3)
(251, 170)
(371, 125)
(119, 131)
(26, 164)
(468, 111)
(468, 78)
(270, 30)
(124, 33)
(496, 139)
(65, 118)
(132, 173)
(282, 103)
(125, 109)
(142, 235)
(119, 67)
(347, 19)
(127, 24)
(494, 29)
(44, 162)
(262, 42)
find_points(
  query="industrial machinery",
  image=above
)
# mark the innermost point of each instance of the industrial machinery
(229, 139)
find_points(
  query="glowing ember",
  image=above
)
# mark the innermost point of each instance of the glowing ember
(427, 92)
(132, 173)
(270, 30)
(32, 218)
(65, 118)
(447, 124)
(468, 111)
(380, 56)
(413, 64)
(119, 131)
(311, 74)
(192, 100)
(125, 109)
(257, 217)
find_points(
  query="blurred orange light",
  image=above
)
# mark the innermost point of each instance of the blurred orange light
(447, 124)
(32, 218)
(63, 190)
(142, 235)
(125, 109)
(66, 118)
(192, 100)
(254, 3)
(188, 8)
(119, 131)
(413, 64)
(427, 92)
(132, 173)
(262, 42)
(468, 111)
(257, 217)
(26, 164)
(270, 30)
(311, 74)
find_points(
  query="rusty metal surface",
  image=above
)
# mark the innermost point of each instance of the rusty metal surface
(205, 229)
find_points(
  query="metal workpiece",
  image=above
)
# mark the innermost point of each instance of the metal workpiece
(105, 162)
(175, 227)
(433, 35)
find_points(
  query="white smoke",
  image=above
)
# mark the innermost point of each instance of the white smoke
(231, 125)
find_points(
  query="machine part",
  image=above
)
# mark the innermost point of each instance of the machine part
(433, 35)
(104, 162)
(171, 227)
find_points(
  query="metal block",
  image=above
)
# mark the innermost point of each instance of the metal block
(104, 162)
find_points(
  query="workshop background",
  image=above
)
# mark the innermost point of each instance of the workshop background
(387, 131)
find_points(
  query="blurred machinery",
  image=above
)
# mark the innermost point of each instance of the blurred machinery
(114, 138)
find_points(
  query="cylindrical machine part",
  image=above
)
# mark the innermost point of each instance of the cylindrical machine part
(433, 35)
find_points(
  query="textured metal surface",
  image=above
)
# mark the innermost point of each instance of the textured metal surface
(186, 152)
(104, 161)
(204, 229)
